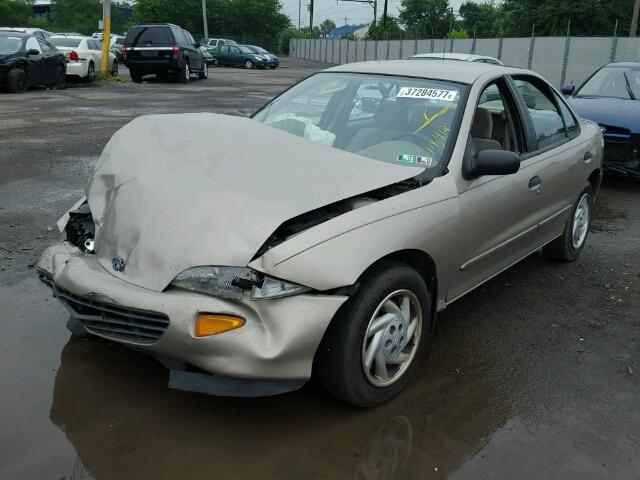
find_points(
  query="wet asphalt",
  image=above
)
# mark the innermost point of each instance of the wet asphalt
(536, 375)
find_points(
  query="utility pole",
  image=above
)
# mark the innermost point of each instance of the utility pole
(384, 15)
(299, 12)
(204, 19)
(311, 19)
(634, 19)
(106, 36)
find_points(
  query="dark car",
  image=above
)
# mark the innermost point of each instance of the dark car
(611, 98)
(163, 49)
(26, 60)
(237, 56)
(272, 60)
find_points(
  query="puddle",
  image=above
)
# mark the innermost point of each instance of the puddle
(94, 409)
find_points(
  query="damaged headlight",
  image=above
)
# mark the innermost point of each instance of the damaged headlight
(274, 288)
(225, 282)
(231, 282)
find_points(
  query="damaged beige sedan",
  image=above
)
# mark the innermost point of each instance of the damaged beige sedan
(323, 234)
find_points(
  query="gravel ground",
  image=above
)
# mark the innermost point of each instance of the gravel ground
(535, 375)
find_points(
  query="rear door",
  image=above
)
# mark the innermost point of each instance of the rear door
(149, 44)
(224, 55)
(560, 154)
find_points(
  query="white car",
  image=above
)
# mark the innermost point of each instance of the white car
(84, 56)
(463, 57)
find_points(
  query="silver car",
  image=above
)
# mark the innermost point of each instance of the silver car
(318, 235)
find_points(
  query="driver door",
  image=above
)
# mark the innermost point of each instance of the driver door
(36, 62)
(498, 213)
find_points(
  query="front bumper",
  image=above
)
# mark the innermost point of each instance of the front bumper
(277, 343)
(621, 151)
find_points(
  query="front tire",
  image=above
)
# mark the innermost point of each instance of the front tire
(376, 339)
(568, 246)
(61, 78)
(248, 64)
(136, 76)
(17, 80)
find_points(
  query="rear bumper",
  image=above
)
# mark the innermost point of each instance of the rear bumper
(154, 66)
(78, 69)
(277, 343)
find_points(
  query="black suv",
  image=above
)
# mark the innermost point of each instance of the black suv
(164, 49)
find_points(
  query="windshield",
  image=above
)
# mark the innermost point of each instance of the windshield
(406, 121)
(616, 82)
(257, 49)
(9, 45)
(245, 49)
(65, 42)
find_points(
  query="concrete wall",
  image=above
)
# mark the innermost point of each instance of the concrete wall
(559, 59)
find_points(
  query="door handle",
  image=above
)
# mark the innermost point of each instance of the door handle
(534, 183)
(587, 157)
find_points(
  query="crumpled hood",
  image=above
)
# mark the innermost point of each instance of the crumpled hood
(172, 192)
(614, 112)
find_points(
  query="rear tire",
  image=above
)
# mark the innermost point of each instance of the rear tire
(204, 74)
(135, 76)
(17, 80)
(184, 74)
(91, 73)
(568, 246)
(248, 64)
(347, 360)
(114, 68)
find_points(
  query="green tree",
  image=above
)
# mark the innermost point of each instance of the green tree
(379, 32)
(77, 15)
(458, 34)
(424, 17)
(15, 13)
(485, 18)
(588, 17)
(327, 26)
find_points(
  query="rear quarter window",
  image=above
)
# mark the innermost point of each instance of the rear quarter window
(160, 36)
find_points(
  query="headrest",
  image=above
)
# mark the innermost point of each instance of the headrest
(482, 124)
(387, 115)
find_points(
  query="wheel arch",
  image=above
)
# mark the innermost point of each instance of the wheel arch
(595, 179)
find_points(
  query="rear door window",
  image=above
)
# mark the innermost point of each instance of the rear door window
(547, 120)
(152, 36)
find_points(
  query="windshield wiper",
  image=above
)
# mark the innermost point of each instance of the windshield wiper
(629, 89)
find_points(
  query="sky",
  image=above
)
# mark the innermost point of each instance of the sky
(337, 10)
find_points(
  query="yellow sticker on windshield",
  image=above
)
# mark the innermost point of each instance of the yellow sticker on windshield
(428, 119)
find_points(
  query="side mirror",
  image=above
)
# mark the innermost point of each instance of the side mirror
(493, 162)
(568, 89)
(32, 51)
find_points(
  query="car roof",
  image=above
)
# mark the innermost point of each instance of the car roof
(448, 70)
(623, 64)
(467, 57)
(15, 33)
(72, 37)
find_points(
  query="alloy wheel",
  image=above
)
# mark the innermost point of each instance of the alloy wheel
(581, 219)
(248, 64)
(392, 338)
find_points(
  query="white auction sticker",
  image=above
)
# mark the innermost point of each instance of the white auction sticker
(430, 93)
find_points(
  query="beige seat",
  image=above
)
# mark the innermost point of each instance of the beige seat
(387, 125)
(482, 130)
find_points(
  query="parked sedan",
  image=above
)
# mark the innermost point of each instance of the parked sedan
(611, 98)
(322, 242)
(272, 61)
(237, 56)
(26, 60)
(84, 56)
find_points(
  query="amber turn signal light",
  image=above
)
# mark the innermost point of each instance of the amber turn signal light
(210, 324)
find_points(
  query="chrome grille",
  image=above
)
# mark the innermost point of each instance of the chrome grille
(114, 321)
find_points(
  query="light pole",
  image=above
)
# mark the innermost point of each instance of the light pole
(106, 36)
(634, 19)
(204, 19)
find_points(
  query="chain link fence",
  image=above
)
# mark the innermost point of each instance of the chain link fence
(561, 60)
